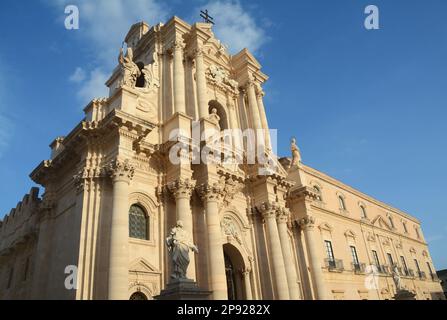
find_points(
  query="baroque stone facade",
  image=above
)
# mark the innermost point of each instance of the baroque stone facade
(112, 195)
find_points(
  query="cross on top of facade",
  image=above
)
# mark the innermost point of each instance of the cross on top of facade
(206, 17)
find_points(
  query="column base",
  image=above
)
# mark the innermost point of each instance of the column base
(183, 289)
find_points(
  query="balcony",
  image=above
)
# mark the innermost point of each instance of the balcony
(421, 275)
(358, 268)
(334, 265)
(434, 277)
(383, 269)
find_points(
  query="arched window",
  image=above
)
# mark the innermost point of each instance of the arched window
(363, 211)
(138, 223)
(341, 200)
(141, 82)
(390, 219)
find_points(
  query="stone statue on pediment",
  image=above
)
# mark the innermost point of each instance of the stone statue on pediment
(179, 243)
(397, 279)
(130, 70)
(296, 154)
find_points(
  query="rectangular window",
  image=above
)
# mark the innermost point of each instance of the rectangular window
(355, 258)
(429, 269)
(416, 263)
(404, 264)
(390, 259)
(405, 227)
(417, 232)
(329, 251)
(391, 221)
(376, 259)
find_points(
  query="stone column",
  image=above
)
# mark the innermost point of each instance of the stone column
(253, 103)
(201, 84)
(260, 95)
(121, 173)
(211, 195)
(282, 220)
(182, 190)
(234, 125)
(268, 211)
(179, 78)
(247, 284)
(307, 224)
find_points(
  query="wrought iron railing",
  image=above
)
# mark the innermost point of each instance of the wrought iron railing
(335, 265)
(358, 267)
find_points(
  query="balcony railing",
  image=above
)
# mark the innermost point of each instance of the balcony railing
(334, 265)
(384, 269)
(358, 268)
(434, 277)
(421, 275)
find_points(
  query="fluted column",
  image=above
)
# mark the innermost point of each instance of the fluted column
(121, 173)
(179, 78)
(234, 125)
(291, 273)
(247, 284)
(211, 195)
(307, 224)
(260, 96)
(268, 211)
(201, 84)
(253, 103)
(182, 190)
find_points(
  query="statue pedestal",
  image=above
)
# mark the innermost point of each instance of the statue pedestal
(183, 289)
(404, 295)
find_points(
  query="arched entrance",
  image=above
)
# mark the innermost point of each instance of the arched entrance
(234, 266)
(138, 296)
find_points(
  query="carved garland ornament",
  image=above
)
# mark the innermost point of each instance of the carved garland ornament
(219, 77)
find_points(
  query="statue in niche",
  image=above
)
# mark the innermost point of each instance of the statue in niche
(130, 70)
(296, 155)
(179, 244)
(214, 117)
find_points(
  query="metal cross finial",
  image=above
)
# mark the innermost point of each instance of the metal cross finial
(206, 17)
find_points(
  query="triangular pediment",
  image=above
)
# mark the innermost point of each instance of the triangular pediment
(325, 226)
(380, 222)
(245, 55)
(142, 265)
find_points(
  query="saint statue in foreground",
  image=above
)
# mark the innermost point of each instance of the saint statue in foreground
(179, 244)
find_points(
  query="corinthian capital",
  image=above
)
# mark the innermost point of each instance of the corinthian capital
(182, 188)
(198, 52)
(120, 170)
(268, 209)
(211, 192)
(178, 45)
(283, 215)
(308, 222)
(259, 92)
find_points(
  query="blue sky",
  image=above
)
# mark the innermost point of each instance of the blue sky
(367, 107)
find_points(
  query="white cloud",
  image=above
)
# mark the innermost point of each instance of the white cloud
(94, 86)
(103, 24)
(235, 26)
(78, 75)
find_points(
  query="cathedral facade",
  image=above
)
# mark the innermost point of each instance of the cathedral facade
(113, 193)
